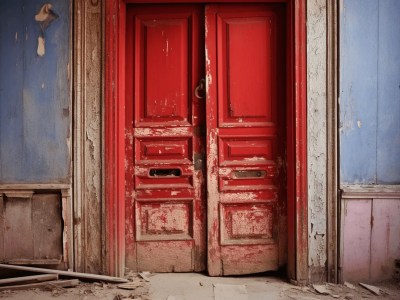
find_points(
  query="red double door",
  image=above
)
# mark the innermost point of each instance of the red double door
(205, 138)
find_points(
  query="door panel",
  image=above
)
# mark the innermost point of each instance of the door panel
(164, 174)
(245, 135)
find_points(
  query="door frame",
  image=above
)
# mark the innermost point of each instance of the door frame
(114, 116)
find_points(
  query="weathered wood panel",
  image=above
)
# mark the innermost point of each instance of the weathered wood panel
(385, 238)
(46, 226)
(369, 92)
(18, 235)
(388, 132)
(357, 239)
(33, 229)
(371, 228)
(34, 94)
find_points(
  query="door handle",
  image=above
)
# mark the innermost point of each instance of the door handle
(200, 90)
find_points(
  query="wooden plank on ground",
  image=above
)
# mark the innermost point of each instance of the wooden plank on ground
(29, 279)
(66, 273)
(47, 284)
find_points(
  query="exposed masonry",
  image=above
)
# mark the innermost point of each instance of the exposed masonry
(316, 137)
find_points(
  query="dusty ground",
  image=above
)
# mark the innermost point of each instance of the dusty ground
(191, 286)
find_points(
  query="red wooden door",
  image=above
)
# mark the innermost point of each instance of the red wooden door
(245, 158)
(166, 203)
(165, 199)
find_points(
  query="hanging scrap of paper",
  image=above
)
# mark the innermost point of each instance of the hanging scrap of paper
(44, 17)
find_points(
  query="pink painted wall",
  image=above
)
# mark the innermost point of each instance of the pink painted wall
(371, 238)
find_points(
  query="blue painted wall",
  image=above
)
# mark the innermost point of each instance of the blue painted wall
(35, 102)
(370, 92)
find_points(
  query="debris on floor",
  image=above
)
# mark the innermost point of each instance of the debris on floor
(321, 289)
(373, 289)
(349, 285)
(145, 275)
(56, 282)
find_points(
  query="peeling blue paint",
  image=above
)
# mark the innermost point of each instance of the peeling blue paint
(34, 95)
(369, 92)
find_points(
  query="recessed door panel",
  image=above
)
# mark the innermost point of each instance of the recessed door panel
(245, 69)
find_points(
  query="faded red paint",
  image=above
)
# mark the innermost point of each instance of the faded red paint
(117, 163)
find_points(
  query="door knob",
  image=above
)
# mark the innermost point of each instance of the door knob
(200, 90)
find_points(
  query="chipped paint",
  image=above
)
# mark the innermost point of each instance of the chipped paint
(44, 17)
(147, 131)
(317, 137)
(41, 46)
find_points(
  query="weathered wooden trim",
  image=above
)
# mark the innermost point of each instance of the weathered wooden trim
(31, 186)
(88, 137)
(370, 192)
(18, 194)
(332, 141)
(300, 140)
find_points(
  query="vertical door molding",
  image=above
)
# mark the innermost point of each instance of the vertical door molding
(114, 118)
(88, 137)
(332, 141)
(299, 140)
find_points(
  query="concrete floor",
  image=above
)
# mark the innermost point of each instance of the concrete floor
(185, 286)
(191, 286)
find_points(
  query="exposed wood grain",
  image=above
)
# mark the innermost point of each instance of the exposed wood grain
(29, 279)
(18, 231)
(46, 221)
(43, 285)
(66, 273)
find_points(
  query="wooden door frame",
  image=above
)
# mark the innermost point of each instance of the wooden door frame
(114, 116)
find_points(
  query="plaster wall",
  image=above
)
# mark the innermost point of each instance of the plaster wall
(317, 137)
